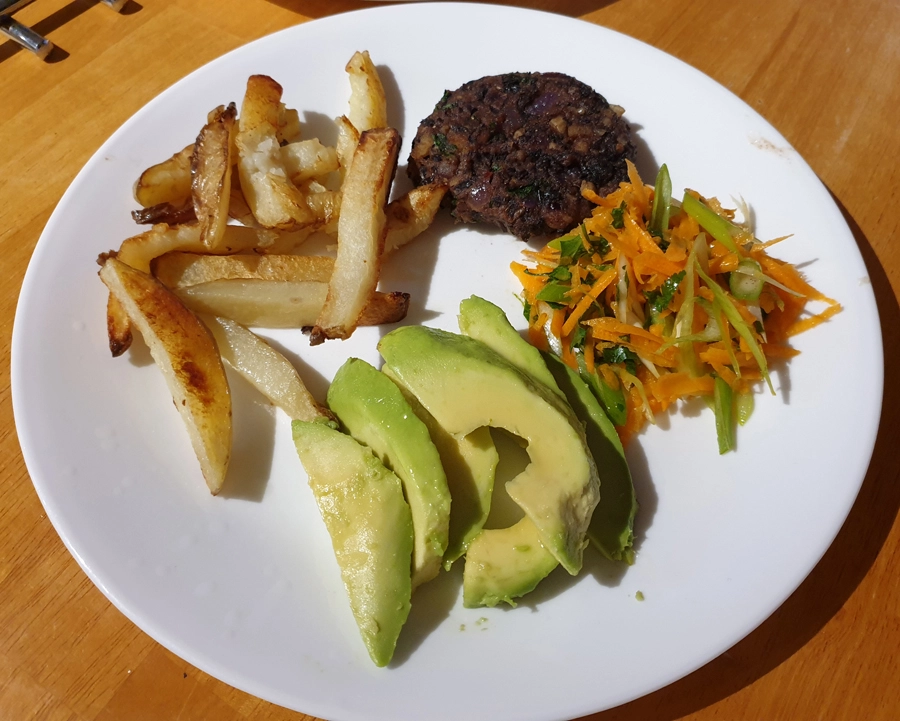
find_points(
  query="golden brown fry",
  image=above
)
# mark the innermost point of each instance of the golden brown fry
(180, 270)
(140, 250)
(368, 106)
(187, 355)
(281, 304)
(211, 171)
(165, 213)
(266, 369)
(288, 130)
(410, 214)
(274, 199)
(308, 159)
(166, 182)
(118, 327)
(360, 234)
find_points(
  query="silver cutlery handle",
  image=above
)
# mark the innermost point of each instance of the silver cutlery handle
(25, 36)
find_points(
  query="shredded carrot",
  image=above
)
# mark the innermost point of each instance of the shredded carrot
(613, 295)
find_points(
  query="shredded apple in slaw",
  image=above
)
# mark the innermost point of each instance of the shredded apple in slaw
(655, 301)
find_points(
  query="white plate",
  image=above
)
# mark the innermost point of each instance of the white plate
(245, 585)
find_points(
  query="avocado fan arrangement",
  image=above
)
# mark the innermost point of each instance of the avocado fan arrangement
(404, 485)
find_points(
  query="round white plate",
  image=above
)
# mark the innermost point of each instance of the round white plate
(245, 585)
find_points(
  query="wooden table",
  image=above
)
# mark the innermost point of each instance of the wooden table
(825, 73)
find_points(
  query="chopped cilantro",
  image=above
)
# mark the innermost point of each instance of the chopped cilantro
(442, 104)
(658, 300)
(526, 310)
(579, 337)
(522, 192)
(570, 246)
(618, 216)
(621, 354)
(553, 292)
(444, 146)
(560, 272)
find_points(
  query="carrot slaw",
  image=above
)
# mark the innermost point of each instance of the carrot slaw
(655, 301)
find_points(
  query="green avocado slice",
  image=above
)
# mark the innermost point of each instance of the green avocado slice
(505, 563)
(482, 320)
(373, 410)
(466, 385)
(470, 463)
(371, 531)
(612, 526)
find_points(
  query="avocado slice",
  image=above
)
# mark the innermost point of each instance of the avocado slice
(372, 409)
(612, 526)
(371, 530)
(470, 463)
(465, 385)
(505, 563)
(484, 321)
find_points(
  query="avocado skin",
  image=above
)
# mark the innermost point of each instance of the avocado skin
(612, 526)
(470, 463)
(505, 563)
(371, 531)
(465, 385)
(373, 410)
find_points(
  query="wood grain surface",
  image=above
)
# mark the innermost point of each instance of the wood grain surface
(825, 73)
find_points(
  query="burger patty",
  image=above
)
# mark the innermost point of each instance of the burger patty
(516, 149)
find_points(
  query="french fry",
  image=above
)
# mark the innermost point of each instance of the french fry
(368, 105)
(325, 204)
(274, 199)
(266, 369)
(187, 355)
(165, 213)
(308, 159)
(288, 129)
(237, 205)
(211, 171)
(180, 270)
(281, 304)
(410, 214)
(140, 250)
(360, 234)
(166, 182)
(347, 140)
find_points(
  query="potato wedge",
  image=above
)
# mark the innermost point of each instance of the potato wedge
(166, 182)
(266, 369)
(274, 199)
(281, 304)
(211, 171)
(368, 105)
(308, 159)
(140, 251)
(180, 270)
(118, 327)
(410, 214)
(187, 355)
(360, 234)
